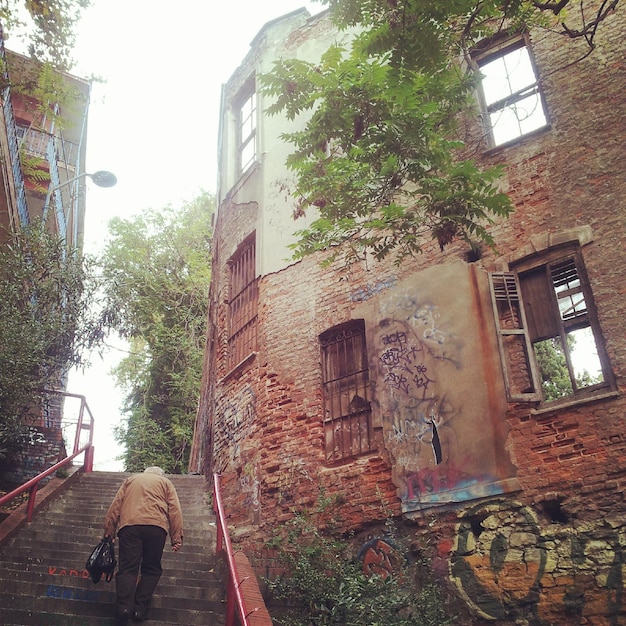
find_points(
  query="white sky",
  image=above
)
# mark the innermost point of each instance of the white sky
(154, 123)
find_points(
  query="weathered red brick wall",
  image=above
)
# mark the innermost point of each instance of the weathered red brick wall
(550, 551)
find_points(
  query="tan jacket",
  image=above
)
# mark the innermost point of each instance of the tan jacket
(146, 499)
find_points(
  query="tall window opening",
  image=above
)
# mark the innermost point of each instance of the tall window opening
(549, 333)
(247, 130)
(345, 379)
(510, 92)
(243, 302)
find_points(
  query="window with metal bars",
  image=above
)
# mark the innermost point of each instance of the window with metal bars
(243, 302)
(548, 332)
(345, 381)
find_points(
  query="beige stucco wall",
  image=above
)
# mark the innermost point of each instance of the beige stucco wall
(438, 387)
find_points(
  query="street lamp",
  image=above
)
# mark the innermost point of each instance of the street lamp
(101, 178)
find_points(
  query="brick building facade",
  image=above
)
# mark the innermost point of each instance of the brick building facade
(419, 389)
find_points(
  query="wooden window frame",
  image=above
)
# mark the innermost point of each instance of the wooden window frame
(514, 295)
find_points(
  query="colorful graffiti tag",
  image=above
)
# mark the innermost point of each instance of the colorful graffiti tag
(507, 566)
(419, 415)
(441, 406)
(379, 556)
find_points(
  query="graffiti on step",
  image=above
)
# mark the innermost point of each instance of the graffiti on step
(63, 620)
(81, 595)
(507, 566)
(54, 570)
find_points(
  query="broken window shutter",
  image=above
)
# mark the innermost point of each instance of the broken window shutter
(542, 317)
(521, 374)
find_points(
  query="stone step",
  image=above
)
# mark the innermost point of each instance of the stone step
(77, 552)
(42, 577)
(197, 584)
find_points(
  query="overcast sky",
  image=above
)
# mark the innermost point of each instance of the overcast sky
(154, 123)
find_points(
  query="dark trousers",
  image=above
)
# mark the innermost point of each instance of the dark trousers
(139, 546)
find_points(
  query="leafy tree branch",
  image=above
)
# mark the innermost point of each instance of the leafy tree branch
(377, 156)
(47, 27)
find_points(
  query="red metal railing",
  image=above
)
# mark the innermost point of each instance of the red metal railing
(33, 484)
(234, 596)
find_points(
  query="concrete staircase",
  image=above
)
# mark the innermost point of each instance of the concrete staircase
(42, 576)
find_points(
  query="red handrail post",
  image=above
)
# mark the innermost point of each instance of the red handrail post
(230, 602)
(88, 464)
(88, 449)
(32, 493)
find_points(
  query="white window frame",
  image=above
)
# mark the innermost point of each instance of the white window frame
(510, 94)
(247, 129)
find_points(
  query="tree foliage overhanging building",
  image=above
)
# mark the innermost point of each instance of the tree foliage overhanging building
(379, 158)
(47, 28)
(47, 324)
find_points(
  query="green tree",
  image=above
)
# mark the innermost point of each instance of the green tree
(47, 27)
(156, 270)
(46, 323)
(556, 380)
(379, 155)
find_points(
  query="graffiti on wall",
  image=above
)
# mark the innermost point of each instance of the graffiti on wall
(369, 291)
(379, 556)
(420, 415)
(440, 405)
(507, 566)
(250, 485)
(233, 425)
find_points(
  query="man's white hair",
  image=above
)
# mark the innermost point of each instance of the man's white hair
(155, 469)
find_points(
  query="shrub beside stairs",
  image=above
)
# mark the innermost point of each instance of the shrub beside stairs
(42, 576)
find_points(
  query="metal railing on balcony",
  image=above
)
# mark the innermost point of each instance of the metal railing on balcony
(11, 129)
(38, 143)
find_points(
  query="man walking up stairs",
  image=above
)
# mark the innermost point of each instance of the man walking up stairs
(42, 576)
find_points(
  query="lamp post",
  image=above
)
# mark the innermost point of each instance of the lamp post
(101, 178)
